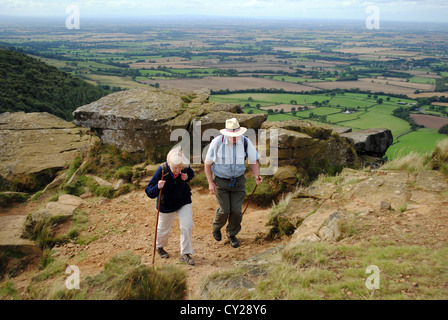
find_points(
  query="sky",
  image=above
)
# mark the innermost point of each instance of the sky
(393, 10)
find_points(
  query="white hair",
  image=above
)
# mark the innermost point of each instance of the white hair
(176, 157)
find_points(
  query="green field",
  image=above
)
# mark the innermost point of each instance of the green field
(266, 99)
(422, 80)
(365, 113)
(373, 119)
(420, 141)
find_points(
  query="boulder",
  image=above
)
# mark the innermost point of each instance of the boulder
(144, 118)
(287, 174)
(10, 235)
(64, 207)
(37, 144)
(217, 120)
(384, 206)
(312, 149)
(331, 230)
(373, 142)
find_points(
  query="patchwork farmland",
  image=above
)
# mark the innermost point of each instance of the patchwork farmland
(339, 74)
(353, 110)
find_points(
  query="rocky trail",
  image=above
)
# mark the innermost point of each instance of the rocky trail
(402, 208)
(127, 223)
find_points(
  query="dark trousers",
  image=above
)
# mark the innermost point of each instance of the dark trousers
(230, 200)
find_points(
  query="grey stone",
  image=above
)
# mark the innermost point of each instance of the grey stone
(374, 142)
(331, 230)
(33, 142)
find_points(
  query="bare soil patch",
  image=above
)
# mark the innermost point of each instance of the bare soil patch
(427, 95)
(429, 121)
(374, 85)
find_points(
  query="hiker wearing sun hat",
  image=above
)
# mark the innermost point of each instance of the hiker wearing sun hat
(225, 167)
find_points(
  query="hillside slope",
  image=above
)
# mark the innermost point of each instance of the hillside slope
(404, 241)
(29, 85)
(316, 243)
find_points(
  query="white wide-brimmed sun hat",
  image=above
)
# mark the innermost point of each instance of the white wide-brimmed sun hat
(233, 128)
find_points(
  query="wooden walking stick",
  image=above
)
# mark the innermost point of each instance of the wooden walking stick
(157, 222)
(250, 197)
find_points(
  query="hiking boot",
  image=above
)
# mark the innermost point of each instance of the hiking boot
(162, 253)
(217, 235)
(187, 259)
(234, 241)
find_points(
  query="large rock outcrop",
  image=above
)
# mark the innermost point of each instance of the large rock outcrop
(312, 149)
(144, 118)
(371, 142)
(35, 144)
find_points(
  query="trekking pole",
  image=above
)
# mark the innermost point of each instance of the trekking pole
(250, 197)
(157, 223)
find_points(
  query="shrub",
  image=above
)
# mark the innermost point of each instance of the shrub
(126, 278)
(145, 283)
(124, 173)
(439, 159)
(412, 162)
(9, 198)
(444, 129)
(280, 220)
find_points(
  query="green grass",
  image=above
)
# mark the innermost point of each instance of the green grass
(370, 114)
(124, 278)
(352, 102)
(422, 80)
(379, 120)
(316, 271)
(420, 141)
(281, 117)
(269, 98)
(344, 117)
(322, 111)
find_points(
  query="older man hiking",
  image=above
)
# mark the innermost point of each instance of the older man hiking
(225, 167)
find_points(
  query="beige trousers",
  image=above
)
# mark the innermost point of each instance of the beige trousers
(166, 220)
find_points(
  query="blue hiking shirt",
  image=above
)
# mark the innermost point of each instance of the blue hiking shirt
(229, 160)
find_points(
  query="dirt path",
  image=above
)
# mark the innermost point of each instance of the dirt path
(128, 223)
(419, 217)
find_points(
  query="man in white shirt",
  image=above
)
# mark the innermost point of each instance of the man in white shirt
(225, 167)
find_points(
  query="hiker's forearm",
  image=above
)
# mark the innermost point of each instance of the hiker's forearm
(208, 173)
(255, 169)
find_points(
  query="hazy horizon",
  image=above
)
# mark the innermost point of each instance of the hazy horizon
(435, 11)
(209, 21)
